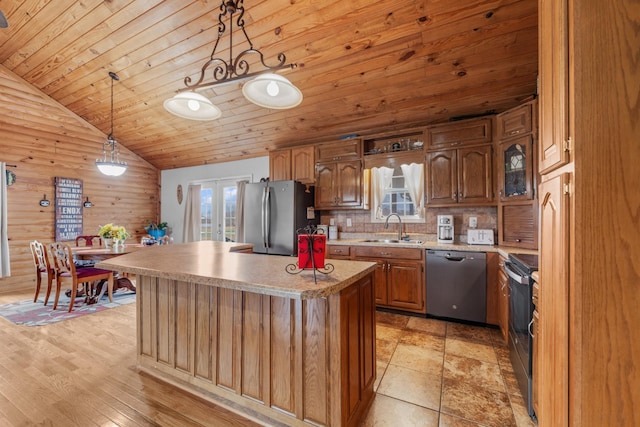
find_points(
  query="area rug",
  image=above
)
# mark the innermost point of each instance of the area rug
(31, 313)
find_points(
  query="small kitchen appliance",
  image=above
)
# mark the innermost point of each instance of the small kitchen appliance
(445, 228)
(480, 236)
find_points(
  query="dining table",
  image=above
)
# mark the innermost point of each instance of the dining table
(98, 253)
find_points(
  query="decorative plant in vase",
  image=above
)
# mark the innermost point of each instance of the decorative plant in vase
(112, 234)
(156, 230)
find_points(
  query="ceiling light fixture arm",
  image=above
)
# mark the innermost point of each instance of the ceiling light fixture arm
(236, 68)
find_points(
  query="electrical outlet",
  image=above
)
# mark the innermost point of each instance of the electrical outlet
(332, 221)
(473, 222)
(348, 222)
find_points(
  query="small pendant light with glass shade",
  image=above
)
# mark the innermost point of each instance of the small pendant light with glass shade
(110, 163)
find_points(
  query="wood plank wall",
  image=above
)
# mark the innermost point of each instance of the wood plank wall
(46, 140)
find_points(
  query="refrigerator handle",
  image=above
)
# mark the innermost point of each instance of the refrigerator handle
(267, 217)
(263, 216)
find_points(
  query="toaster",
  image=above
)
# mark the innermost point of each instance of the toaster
(480, 236)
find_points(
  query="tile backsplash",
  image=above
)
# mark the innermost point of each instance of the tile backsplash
(361, 221)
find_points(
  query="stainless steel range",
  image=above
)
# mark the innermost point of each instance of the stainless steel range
(519, 268)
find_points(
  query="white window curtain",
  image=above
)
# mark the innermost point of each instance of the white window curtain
(191, 224)
(381, 179)
(413, 180)
(5, 265)
(242, 185)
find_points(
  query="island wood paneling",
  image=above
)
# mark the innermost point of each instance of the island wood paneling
(45, 140)
(295, 362)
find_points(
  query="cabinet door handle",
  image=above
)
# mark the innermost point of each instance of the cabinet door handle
(514, 132)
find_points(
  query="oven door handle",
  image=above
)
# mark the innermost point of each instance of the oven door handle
(522, 280)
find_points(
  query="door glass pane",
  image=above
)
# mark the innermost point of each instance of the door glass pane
(515, 182)
(206, 210)
(229, 214)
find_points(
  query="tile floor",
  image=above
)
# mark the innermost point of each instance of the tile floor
(443, 374)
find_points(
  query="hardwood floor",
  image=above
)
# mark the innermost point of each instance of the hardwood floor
(82, 372)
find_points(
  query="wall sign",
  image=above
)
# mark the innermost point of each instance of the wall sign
(68, 208)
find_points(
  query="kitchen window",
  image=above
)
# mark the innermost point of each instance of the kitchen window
(398, 190)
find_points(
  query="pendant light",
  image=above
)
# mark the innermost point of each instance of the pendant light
(110, 163)
(267, 89)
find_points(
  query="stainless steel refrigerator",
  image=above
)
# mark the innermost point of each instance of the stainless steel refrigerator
(273, 211)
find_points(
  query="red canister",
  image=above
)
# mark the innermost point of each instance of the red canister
(311, 250)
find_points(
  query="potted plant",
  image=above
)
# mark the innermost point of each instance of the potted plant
(111, 233)
(156, 230)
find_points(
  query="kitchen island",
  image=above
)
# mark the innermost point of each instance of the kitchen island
(238, 330)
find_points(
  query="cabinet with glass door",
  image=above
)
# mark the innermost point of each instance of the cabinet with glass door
(516, 169)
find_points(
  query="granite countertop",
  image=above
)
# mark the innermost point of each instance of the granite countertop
(216, 264)
(425, 242)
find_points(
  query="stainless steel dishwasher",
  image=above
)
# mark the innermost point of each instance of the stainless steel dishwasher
(457, 285)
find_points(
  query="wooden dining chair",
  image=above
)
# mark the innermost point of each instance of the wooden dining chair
(43, 268)
(66, 271)
(88, 240)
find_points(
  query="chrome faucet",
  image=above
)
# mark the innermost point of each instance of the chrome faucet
(386, 224)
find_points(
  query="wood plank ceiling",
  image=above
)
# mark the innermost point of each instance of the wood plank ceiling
(363, 66)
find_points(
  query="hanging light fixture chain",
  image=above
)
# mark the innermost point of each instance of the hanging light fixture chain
(266, 89)
(237, 68)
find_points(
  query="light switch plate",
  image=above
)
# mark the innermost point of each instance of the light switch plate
(348, 222)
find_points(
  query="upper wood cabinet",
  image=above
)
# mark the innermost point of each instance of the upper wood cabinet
(516, 121)
(553, 65)
(463, 132)
(338, 174)
(296, 163)
(344, 149)
(280, 165)
(517, 177)
(460, 176)
(303, 164)
(338, 184)
(515, 169)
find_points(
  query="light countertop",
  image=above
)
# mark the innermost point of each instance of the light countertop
(216, 264)
(422, 242)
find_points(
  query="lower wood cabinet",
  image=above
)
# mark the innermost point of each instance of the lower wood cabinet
(399, 277)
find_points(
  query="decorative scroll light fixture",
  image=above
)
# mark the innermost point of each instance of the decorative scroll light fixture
(110, 163)
(267, 89)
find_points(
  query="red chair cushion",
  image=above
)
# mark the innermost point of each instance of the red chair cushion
(87, 272)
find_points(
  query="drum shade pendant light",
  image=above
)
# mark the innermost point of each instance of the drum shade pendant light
(110, 163)
(267, 89)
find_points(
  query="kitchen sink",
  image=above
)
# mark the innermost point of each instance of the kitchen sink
(392, 241)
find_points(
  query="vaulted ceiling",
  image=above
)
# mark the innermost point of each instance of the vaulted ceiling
(364, 66)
